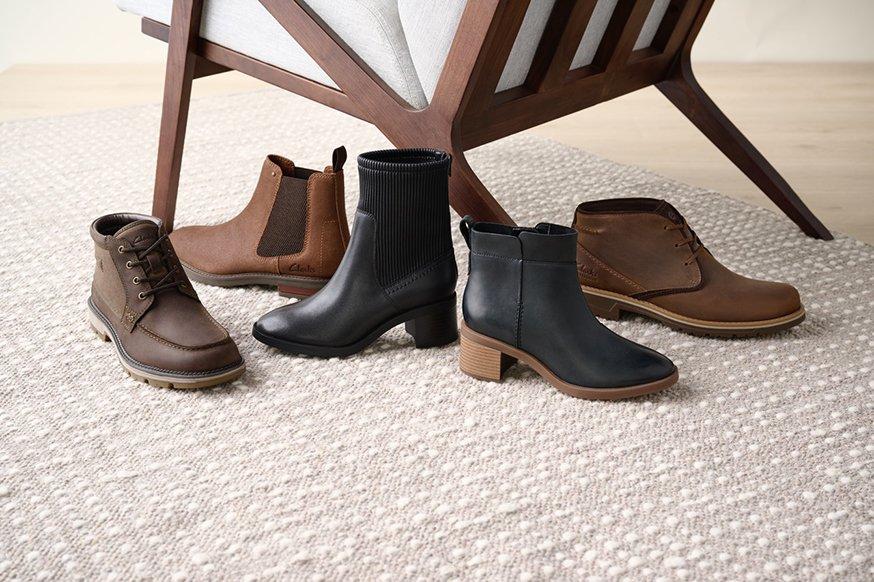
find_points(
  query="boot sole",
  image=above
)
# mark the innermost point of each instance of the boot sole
(287, 285)
(486, 358)
(609, 305)
(431, 326)
(153, 377)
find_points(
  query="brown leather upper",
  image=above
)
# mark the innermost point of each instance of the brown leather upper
(232, 247)
(168, 330)
(642, 248)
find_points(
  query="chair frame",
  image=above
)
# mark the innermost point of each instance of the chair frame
(465, 112)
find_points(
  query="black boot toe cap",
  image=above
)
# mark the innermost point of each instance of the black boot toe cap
(625, 364)
(652, 367)
(273, 324)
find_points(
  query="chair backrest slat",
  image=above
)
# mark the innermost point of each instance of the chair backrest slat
(557, 46)
(620, 64)
(622, 33)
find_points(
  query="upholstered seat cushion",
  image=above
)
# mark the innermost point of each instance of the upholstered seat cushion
(372, 28)
(405, 42)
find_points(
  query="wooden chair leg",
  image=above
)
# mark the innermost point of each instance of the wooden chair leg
(683, 90)
(468, 195)
(181, 63)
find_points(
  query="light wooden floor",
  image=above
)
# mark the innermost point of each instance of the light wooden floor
(815, 122)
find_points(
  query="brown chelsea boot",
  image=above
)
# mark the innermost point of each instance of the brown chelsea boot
(142, 301)
(639, 255)
(292, 234)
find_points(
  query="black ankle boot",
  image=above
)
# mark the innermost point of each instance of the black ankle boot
(523, 302)
(399, 266)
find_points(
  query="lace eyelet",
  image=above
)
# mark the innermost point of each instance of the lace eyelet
(141, 295)
(121, 249)
(129, 265)
(135, 280)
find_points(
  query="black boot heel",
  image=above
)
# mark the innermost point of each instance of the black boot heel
(437, 327)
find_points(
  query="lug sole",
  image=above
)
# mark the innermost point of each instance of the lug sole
(486, 358)
(106, 334)
(431, 326)
(609, 305)
(286, 285)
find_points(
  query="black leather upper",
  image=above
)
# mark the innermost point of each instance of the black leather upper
(353, 302)
(523, 291)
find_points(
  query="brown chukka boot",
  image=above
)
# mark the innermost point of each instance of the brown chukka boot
(639, 255)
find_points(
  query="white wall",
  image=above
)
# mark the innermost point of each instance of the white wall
(94, 31)
(72, 31)
(788, 30)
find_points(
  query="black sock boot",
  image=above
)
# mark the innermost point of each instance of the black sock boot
(399, 266)
(523, 302)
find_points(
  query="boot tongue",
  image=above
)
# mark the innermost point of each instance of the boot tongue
(669, 212)
(141, 234)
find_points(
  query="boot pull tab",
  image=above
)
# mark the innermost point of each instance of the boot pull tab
(464, 226)
(338, 159)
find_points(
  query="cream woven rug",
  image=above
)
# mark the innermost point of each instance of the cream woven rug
(392, 464)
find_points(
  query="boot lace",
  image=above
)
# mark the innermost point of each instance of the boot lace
(690, 239)
(156, 284)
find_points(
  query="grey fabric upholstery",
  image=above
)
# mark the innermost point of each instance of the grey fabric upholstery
(594, 33)
(429, 26)
(650, 27)
(405, 42)
(525, 45)
(372, 28)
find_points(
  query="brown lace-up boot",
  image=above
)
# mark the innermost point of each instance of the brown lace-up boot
(142, 301)
(292, 234)
(638, 255)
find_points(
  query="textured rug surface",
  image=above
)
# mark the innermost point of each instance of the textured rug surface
(392, 464)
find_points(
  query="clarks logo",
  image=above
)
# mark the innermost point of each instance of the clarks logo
(590, 230)
(587, 272)
(298, 268)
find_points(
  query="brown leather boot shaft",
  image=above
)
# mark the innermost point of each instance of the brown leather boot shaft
(326, 233)
(642, 249)
(632, 250)
(294, 225)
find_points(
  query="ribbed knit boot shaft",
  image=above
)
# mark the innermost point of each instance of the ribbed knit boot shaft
(407, 193)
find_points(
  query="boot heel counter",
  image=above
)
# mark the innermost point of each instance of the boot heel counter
(107, 290)
(340, 208)
(490, 301)
(335, 228)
